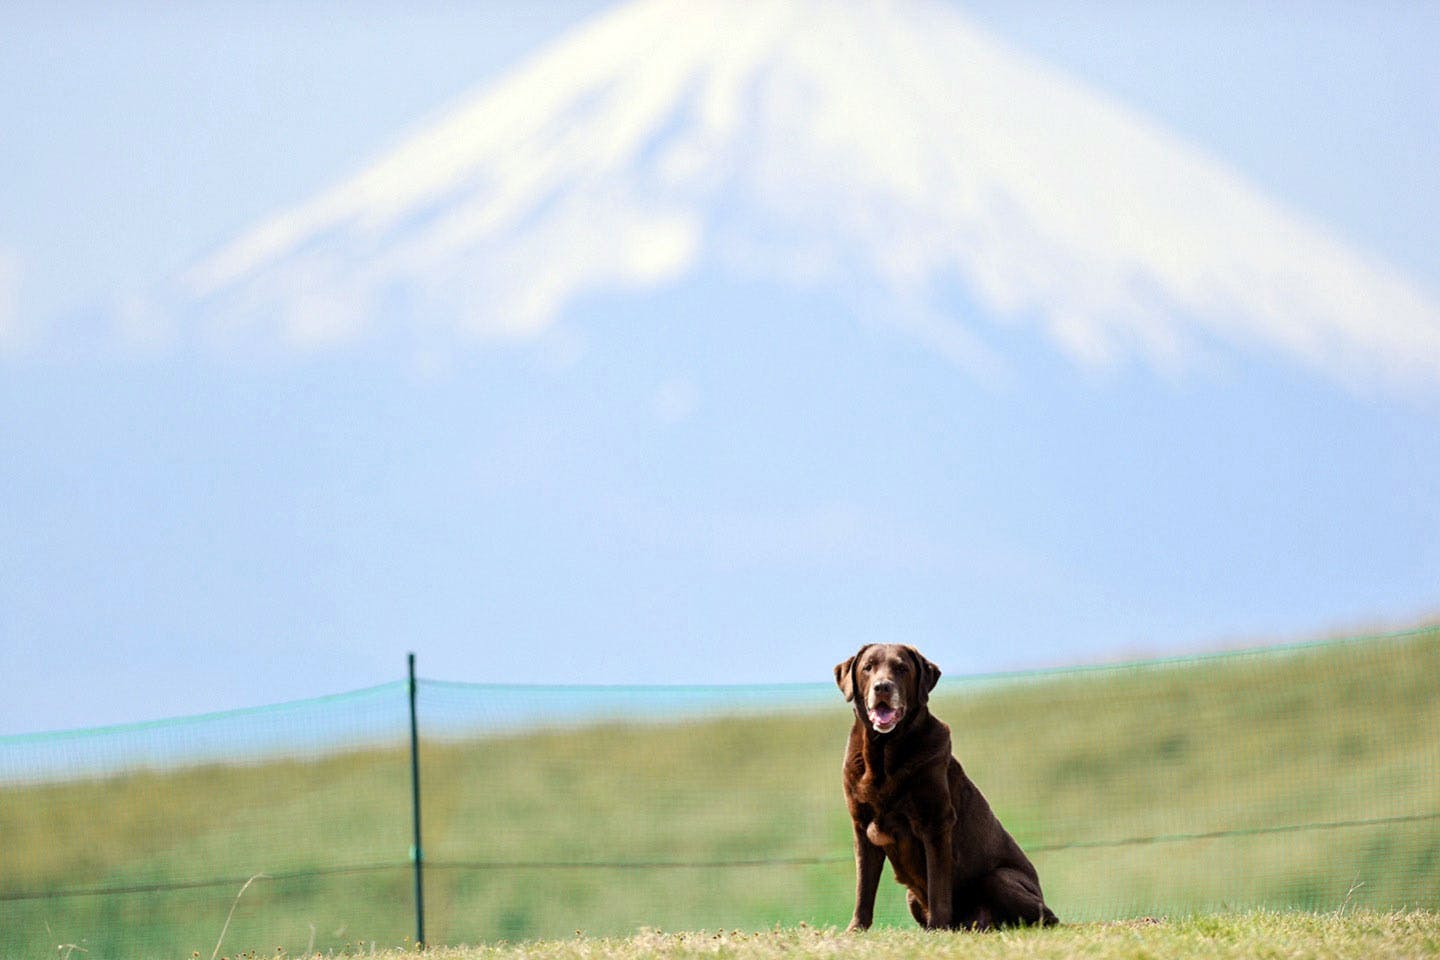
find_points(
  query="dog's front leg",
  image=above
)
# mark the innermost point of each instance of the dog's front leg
(869, 860)
(940, 870)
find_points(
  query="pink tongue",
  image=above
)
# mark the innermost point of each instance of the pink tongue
(883, 715)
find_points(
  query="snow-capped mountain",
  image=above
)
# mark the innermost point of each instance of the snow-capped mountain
(887, 151)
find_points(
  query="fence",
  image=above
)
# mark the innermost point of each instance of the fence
(1304, 778)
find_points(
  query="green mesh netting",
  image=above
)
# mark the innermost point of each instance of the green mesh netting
(1303, 778)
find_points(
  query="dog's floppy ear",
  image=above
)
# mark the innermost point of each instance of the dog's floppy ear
(845, 679)
(928, 673)
(845, 676)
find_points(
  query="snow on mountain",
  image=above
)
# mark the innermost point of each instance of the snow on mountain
(886, 151)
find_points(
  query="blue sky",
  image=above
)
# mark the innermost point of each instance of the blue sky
(715, 482)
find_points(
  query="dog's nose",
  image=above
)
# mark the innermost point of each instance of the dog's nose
(885, 688)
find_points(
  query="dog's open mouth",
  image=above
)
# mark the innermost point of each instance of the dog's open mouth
(884, 717)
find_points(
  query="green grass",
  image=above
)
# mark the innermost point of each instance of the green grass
(1075, 764)
(1242, 936)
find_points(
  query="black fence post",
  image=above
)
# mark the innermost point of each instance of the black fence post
(417, 852)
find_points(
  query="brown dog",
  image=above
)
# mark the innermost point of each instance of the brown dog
(911, 802)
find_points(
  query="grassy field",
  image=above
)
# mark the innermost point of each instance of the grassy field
(1304, 780)
(1374, 936)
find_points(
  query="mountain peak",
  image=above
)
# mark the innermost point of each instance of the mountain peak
(885, 150)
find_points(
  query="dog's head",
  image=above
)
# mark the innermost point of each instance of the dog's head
(887, 682)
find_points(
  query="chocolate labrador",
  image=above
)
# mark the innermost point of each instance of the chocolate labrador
(912, 803)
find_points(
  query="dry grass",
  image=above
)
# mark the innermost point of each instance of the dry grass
(1368, 935)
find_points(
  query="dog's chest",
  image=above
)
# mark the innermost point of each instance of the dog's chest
(889, 831)
(902, 847)
(884, 787)
(885, 806)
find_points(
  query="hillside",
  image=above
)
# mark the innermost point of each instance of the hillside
(1299, 779)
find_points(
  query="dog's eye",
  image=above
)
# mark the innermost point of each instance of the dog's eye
(866, 668)
(902, 667)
